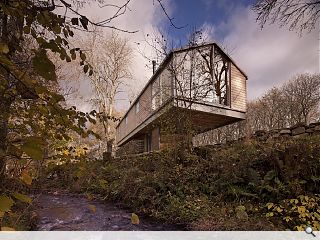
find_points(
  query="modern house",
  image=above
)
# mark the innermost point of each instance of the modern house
(201, 81)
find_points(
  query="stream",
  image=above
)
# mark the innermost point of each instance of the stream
(62, 211)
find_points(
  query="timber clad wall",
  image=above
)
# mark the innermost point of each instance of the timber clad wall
(238, 90)
(134, 119)
(160, 89)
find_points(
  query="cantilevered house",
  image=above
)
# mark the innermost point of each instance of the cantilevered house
(201, 81)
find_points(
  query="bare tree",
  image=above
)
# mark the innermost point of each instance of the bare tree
(297, 14)
(110, 57)
(302, 95)
(297, 101)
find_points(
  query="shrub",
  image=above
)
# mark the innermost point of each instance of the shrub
(297, 213)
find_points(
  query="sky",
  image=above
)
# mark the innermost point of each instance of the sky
(269, 56)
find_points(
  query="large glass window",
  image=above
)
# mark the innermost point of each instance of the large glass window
(202, 74)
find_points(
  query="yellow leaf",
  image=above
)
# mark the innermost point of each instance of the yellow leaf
(5, 203)
(26, 178)
(301, 209)
(1, 214)
(300, 228)
(7, 229)
(92, 208)
(89, 197)
(4, 48)
(22, 197)
(269, 205)
(135, 219)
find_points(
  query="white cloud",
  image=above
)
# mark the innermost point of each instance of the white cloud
(143, 16)
(269, 56)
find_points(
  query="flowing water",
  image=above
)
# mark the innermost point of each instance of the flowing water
(66, 212)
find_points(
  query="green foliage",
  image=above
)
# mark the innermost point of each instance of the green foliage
(33, 147)
(43, 65)
(31, 108)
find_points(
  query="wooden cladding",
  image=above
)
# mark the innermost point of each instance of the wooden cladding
(238, 90)
(168, 84)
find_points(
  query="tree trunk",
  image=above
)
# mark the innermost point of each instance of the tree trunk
(4, 116)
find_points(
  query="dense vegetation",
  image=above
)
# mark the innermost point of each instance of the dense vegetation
(250, 185)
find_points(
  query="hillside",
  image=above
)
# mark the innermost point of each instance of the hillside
(267, 182)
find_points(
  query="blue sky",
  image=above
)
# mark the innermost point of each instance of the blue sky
(195, 13)
(269, 56)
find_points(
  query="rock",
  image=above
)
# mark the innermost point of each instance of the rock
(310, 130)
(298, 125)
(286, 136)
(301, 135)
(260, 133)
(314, 124)
(277, 135)
(274, 136)
(241, 213)
(317, 128)
(298, 131)
(285, 131)
(274, 131)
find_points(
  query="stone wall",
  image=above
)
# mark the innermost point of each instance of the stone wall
(132, 147)
(175, 140)
(298, 130)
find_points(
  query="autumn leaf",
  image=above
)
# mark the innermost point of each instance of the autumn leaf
(269, 205)
(4, 48)
(5, 203)
(7, 229)
(135, 219)
(22, 197)
(26, 178)
(92, 208)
